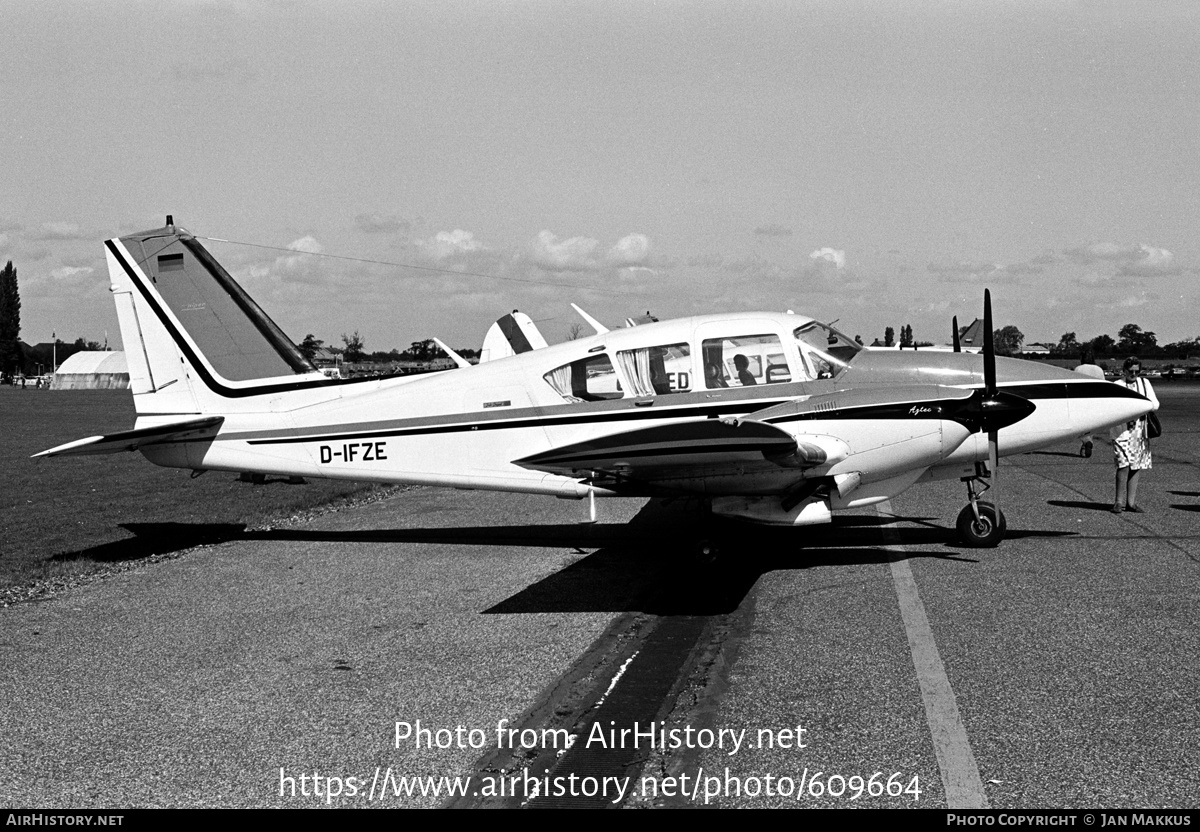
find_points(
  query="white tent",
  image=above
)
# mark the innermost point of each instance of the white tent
(92, 371)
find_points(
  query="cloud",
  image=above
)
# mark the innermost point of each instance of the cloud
(380, 224)
(1022, 268)
(630, 250)
(296, 268)
(1092, 279)
(60, 231)
(573, 254)
(307, 244)
(773, 230)
(961, 269)
(1150, 262)
(1106, 252)
(68, 272)
(829, 255)
(950, 272)
(582, 254)
(754, 266)
(1131, 261)
(1130, 301)
(447, 244)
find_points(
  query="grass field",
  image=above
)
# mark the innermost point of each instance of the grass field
(61, 518)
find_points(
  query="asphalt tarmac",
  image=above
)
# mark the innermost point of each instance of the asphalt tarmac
(876, 662)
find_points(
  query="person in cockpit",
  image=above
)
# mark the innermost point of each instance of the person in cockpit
(714, 376)
(745, 377)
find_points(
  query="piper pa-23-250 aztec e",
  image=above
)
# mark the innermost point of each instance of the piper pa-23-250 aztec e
(771, 418)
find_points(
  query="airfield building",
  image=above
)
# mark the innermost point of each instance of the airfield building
(91, 370)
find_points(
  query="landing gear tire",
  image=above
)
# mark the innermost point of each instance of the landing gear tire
(1085, 450)
(986, 531)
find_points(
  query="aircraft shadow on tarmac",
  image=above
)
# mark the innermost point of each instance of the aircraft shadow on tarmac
(1107, 506)
(662, 574)
(650, 564)
(157, 539)
(1088, 505)
(1185, 506)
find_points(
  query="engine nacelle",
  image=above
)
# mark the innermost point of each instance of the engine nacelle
(769, 510)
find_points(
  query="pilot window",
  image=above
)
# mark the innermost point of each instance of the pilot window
(744, 361)
(824, 352)
(589, 379)
(656, 371)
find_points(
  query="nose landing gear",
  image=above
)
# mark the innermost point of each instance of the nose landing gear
(980, 524)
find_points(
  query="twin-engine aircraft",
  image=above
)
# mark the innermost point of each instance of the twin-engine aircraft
(769, 417)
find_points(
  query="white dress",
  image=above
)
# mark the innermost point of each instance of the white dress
(1131, 445)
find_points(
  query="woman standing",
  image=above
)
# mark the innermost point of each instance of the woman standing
(1131, 446)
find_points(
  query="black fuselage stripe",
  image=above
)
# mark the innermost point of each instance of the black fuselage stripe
(709, 412)
(938, 409)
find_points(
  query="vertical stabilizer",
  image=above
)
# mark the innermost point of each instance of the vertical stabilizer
(512, 334)
(192, 335)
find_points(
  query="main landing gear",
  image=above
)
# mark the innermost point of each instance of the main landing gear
(980, 525)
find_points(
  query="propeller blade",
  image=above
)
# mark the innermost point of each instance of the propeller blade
(957, 343)
(991, 399)
(994, 464)
(989, 346)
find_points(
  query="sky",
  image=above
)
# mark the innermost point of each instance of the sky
(417, 169)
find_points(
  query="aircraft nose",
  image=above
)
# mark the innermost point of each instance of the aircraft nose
(1102, 405)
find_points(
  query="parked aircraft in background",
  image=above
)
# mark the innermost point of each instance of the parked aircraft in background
(770, 417)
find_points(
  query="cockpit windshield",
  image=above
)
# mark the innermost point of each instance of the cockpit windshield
(824, 351)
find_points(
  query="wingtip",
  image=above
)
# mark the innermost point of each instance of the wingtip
(61, 449)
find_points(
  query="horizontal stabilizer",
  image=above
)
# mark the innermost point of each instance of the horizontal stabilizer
(598, 327)
(455, 357)
(645, 452)
(131, 440)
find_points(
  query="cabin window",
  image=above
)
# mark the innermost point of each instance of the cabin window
(656, 371)
(590, 379)
(744, 361)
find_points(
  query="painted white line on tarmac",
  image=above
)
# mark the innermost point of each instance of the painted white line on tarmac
(960, 774)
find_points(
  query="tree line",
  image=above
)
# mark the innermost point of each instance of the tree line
(17, 359)
(354, 351)
(1130, 340)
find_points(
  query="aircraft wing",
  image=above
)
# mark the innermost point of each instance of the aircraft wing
(131, 440)
(653, 452)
